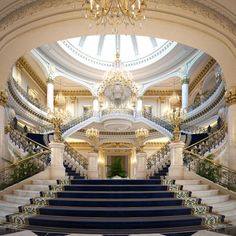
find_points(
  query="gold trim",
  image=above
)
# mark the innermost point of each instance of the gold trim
(185, 80)
(230, 96)
(161, 93)
(3, 98)
(22, 63)
(74, 93)
(200, 76)
(25, 159)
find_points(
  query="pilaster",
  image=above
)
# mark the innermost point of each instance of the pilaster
(141, 165)
(93, 165)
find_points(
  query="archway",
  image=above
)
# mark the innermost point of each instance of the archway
(46, 21)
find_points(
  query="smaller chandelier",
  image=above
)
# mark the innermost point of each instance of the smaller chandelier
(60, 100)
(115, 12)
(174, 99)
(93, 135)
(141, 134)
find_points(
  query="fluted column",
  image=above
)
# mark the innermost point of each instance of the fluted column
(185, 87)
(3, 145)
(230, 98)
(50, 93)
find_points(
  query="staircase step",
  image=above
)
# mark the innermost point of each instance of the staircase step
(195, 187)
(215, 199)
(115, 187)
(3, 215)
(145, 202)
(26, 193)
(114, 223)
(115, 194)
(187, 181)
(205, 193)
(173, 231)
(9, 206)
(114, 211)
(34, 187)
(117, 182)
(16, 199)
(224, 206)
(44, 182)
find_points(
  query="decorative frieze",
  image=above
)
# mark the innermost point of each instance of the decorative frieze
(75, 93)
(3, 98)
(161, 93)
(230, 96)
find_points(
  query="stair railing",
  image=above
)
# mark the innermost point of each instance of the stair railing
(23, 168)
(208, 168)
(75, 160)
(158, 160)
(205, 145)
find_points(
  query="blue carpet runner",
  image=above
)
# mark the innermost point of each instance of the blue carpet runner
(115, 207)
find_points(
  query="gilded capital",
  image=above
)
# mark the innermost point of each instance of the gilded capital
(230, 96)
(3, 98)
(50, 80)
(185, 80)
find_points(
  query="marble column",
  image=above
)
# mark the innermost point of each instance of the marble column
(50, 93)
(57, 169)
(176, 169)
(141, 165)
(96, 107)
(139, 106)
(93, 165)
(185, 88)
(230, 97)
(3, 139)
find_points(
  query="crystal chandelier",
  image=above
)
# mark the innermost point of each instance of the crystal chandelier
(141, 134)
(174, 99)
(118, 86)
(93, 135)
(115, 12)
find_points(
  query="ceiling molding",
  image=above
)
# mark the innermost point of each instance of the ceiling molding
(22, 63)
(201, 75)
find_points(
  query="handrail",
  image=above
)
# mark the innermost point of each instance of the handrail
(211, 135)
(24, 160)
(31, 140)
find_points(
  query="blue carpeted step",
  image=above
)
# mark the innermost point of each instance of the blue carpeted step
(144, 202)
(115, 188)
(114, 211)
(115, 195)
(117, 182)
(114, 223)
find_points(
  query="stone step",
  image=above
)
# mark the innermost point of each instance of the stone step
(35, 187)
(16, 199)
(205, 193)
(229, 213)
(215, 199)
(224, 206)
(196, 187)
(44, 182)
(3, 215)
(187, 181)
(26, 193)
(8, 206)
(231, 219)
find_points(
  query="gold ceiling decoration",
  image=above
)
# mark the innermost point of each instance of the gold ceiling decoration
(115, 12)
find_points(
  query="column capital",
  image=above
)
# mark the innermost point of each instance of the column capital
(230, 96)
(50, 80)
(185, 79)
(3, 98)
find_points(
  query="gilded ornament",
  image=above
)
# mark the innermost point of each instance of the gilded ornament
(3, 98)
(230, 96)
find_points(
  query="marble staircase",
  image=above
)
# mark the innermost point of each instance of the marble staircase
(221, 203)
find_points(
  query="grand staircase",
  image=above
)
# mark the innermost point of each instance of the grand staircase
(111, 207)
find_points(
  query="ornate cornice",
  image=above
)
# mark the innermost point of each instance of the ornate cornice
(195, 7)
(230, 96)
(160, 93)
(22, 63)
(201, 75)
(75, 93)
(3, 98)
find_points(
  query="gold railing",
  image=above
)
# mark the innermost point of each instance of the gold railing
(76, 156)
(208, 168)
(23, 168)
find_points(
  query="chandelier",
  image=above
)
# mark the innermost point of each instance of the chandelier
(93, 135)
(177, 116)
(115, 12)
(174, 99)
(118, 86)
(141, 134)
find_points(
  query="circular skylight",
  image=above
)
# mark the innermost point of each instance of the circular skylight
(99, 50)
